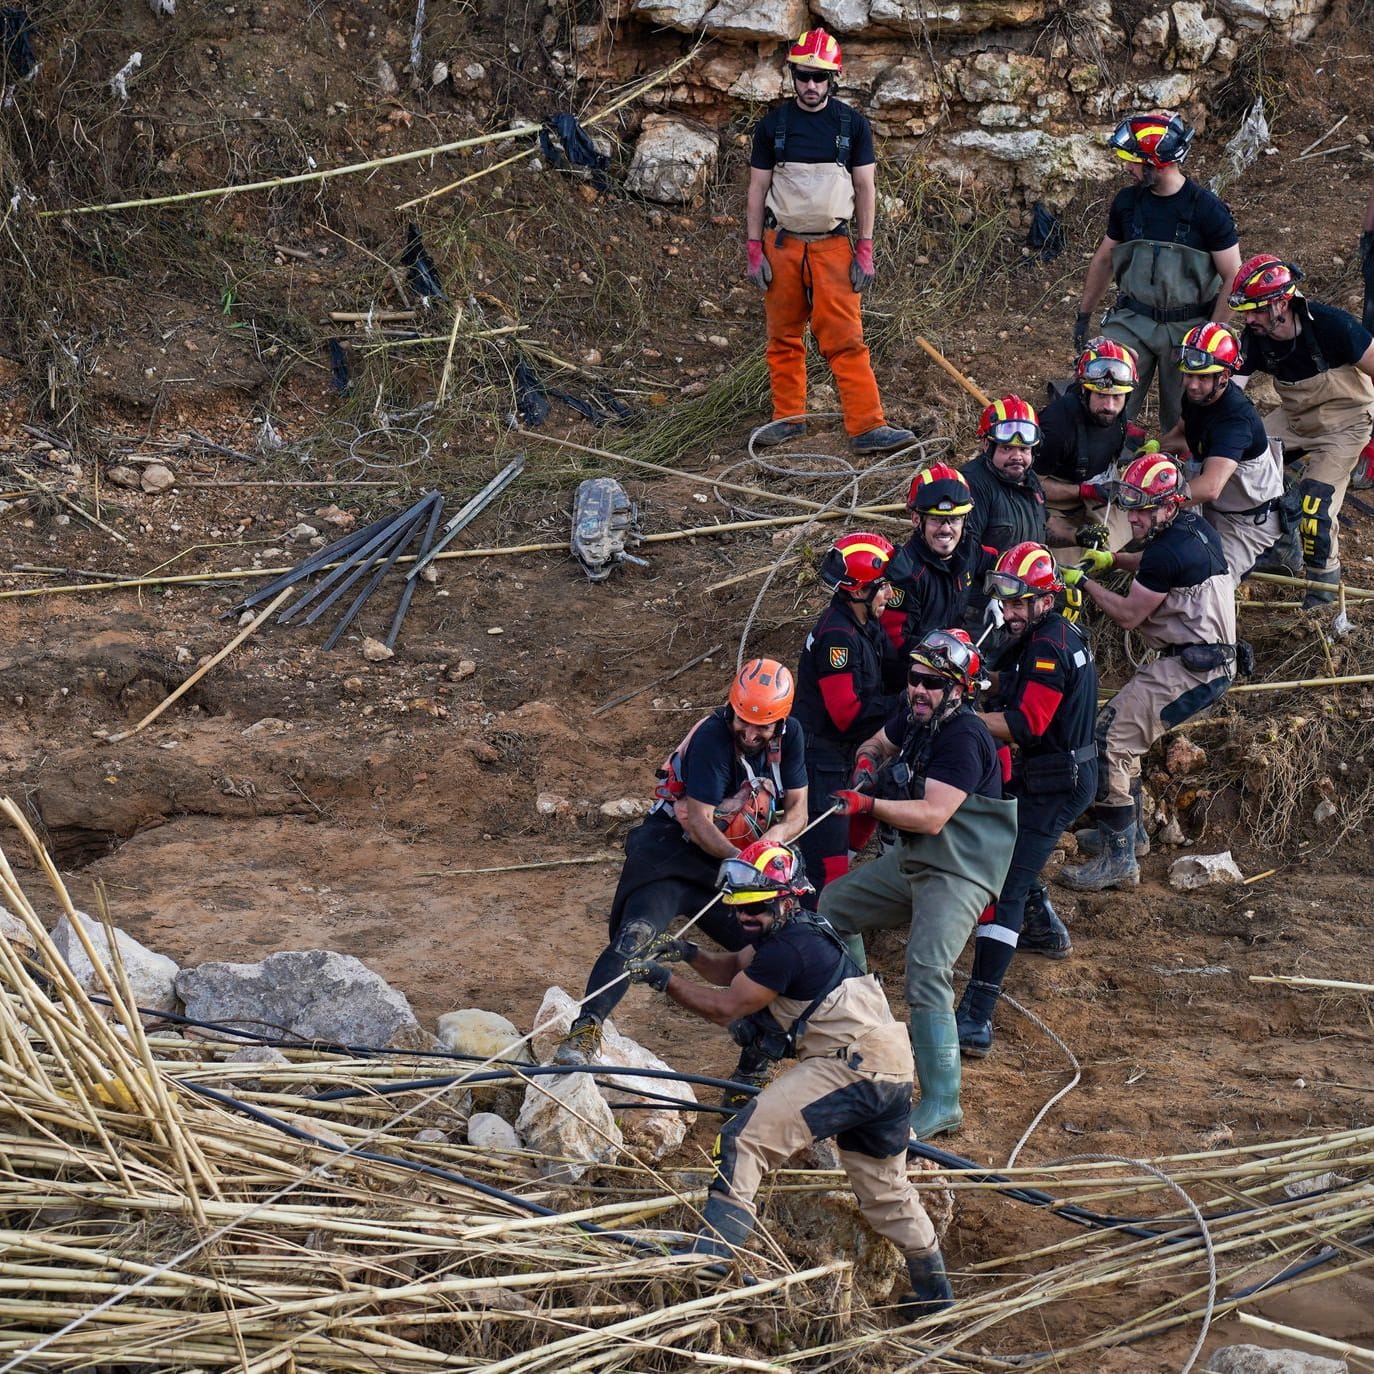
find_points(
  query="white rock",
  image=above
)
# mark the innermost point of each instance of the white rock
(487, 1131)
(431, 1135)
(438, 73)
(1203, 870)
(374, 651)
(842, 16)
(1294, 19)
(299, 533)
(268, 725)
(1151, 37)
(1171, 832)
(157, 477)
(1034, 158)
(482, 1034)
(567, 1119)
(257, 1054)
(464, 668)
(910, 82)
(656, 1132)
(686, 15)
(340, 519)
(757, 19)
(122, 475)
(1001, 77)
(152, 976)
(622, 808)
(13, 930)
(1169, 92)
(386, 78)
(1323, 812)
(1196, 36)
(1254, 1359)
(552, 804)
(672, 160)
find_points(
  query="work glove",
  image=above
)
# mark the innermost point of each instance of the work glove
(668, 950)
(1097, 490)
(852, 803)
(1093, 535)
(760, 271)
(647, 971)
(1146, 449)
(1080, 330)
(861, 271)
(865, 770)
(1096, 561)
(1073, 577)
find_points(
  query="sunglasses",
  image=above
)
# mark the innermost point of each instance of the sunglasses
(929, 681)
(1115, 370)
(808, 74)
(1015, 432)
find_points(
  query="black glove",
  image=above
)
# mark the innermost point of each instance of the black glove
(1080, 330)
(668, 950)
(646, 971)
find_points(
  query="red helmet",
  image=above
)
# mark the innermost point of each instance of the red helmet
(762, 872)
(1157, 139)
(1107, 367)
(815, 49)
(949, 654)
(1025, 570)
(1010, 421)
(1209, 347)
(939, 490)
(857, 560)
(1153, 479)
(762, 693)
(1261, 281)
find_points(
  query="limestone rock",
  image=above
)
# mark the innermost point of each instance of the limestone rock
(482, 1034)
(15, 931)
(151, 976)
(1195, 36)
(757, 19)
(122, 475)
(623, 808)
(567, 1119)
(552, 804)
(947, 16)
(268, 725)
(157, 477)
(374, 651)
(312, 994)
(657, 1133)
(298, 533)
(1150, 41)
(1003, 77)
(910, 82)
(672, 160)
(385, 78)
(842, 16)
(1032, 159)
(1255, 1359)
(1169, 92)
(257, 1054)
(487, 1131)
(675, 14)
(1203, 870)
(1294, 19)
(1184, 757)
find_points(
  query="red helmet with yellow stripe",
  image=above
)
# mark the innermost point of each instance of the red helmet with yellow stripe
(1262, 280)
(1107, 367)
(817, 50)
(762, 872)
(1158, 139)
(1209, 347)
(1010, 421)
(1153, 479)
(1023, 571)
(939, 490)
(856, 561)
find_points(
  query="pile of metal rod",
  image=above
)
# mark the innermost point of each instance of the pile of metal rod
(375, 549)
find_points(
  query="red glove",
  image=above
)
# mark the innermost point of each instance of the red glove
(851, 803)
(865, 770)
(1090, 492)
(760, 271)
(861, 271)
(861, 830)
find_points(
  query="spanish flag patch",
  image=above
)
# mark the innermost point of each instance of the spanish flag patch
(1045, 665)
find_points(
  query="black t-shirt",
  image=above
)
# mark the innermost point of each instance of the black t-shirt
(1137, 213)
(1228, 428)
(795, 960)
(711, 769)
(812, 136)
(1184, 554)
(1341, 341)
(1068, 455)
(964, 754)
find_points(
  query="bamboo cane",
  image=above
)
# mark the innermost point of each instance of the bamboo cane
(519, 868)
(944, 363)
(1301, 682)
(1296, 982)
(1360, 1352)
(1282, 580)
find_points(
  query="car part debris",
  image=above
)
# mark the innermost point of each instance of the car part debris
(604, 520)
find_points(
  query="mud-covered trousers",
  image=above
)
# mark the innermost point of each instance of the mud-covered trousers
(869, 1117)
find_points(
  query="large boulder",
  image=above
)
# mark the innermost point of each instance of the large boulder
(567, 1120)
(152, 976)
(1255, 1359)
(675, 14)
(672, 160)
(481, 1034)
(1034, 160)
(305, 995)
(757, 19)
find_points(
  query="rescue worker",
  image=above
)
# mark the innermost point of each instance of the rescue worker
(931, 775)
(1182, 602)
(847, 685)
(1008, 500)
(1170, 246)
(1322, 362)
(935, 572)
(1083, 434)
(739, 775)
(796, 986)
(1045, 707)
(1240, 485)
(811, 172)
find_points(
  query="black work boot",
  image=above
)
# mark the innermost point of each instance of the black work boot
(1284, 555)
(582, 1044)
(1314, 599)
(753, 1071)
(973, 1016)
(728, 1226)
(778, 432)
(1115, 866)
(1090, 841)
(930, 1288)
(1042, 932)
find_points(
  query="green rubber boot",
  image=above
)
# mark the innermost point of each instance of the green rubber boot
(935, 1047)
(930, 1287)
(728, 1226)
(1115, 866)
(1090, 841)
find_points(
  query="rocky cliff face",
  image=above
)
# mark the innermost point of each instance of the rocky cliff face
(1012, 93)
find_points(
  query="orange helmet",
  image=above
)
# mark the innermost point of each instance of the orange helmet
(762, 693)
(939, 490)
(949, 654)
(762, 872)
(1025, 570)
(815, 49)
(1157, 139)
(856, 561)
(1209, 347)
(1107, 367)
(1153, 479)
(1010, 421)
(1261, 281)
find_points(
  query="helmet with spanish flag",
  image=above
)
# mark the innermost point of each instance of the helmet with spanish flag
(762, 872)
(1107, 367)
(1262, 280)
(762, 692)
(1151, 480)
(815, 49)
(1023, 571)
(856, 561)
(1010, 421)
(1157, 139)
(939, 490)
(1209, 347)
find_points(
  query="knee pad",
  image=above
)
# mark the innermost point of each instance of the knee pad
(632, 937)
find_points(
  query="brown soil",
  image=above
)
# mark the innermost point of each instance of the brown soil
(350, 827)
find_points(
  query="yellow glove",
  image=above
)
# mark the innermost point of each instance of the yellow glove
(1073, 576)
(1096, 561)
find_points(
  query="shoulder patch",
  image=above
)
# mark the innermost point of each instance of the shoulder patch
(1045, 665)
(839, 658)
(896, 599)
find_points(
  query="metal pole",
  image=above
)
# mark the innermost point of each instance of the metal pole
(471, 511)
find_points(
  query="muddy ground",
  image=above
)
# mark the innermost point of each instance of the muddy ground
(300, 799)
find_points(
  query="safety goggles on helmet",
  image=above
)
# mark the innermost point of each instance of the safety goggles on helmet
(1130, 497)
(1007, 586)
(761, 873)
(1014, 433)
(949, 654)
(1198, 360)
(1117, 371)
